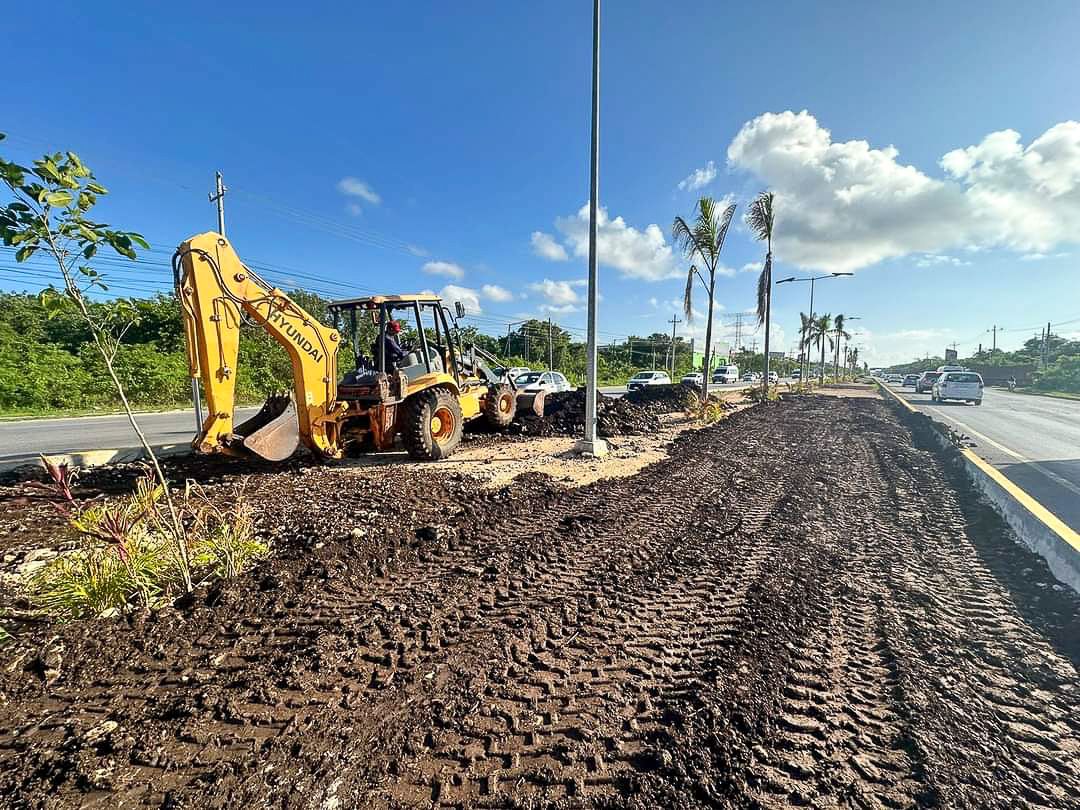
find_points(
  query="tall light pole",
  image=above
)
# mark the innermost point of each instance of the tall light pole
(804, 374)
(593, 444)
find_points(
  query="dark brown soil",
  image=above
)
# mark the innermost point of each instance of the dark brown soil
(564, 414)
(801, 607)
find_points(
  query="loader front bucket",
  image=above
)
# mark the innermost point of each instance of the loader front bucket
(273, 433)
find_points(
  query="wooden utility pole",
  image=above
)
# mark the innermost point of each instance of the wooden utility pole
(549, 345)
(674, 320)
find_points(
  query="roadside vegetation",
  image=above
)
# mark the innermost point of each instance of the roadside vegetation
(125, 553)
(1056, 361)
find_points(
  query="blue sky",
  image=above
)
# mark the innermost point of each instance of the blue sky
(361, 142)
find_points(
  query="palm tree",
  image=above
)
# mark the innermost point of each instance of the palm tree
(760, 221)
(820, 332)
(840, 334)
(853, 359)
(703, 241)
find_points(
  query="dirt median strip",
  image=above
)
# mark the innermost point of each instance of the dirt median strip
(797, 606)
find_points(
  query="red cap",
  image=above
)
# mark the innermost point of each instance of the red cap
(394, 326)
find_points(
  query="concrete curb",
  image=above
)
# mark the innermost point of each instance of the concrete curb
(96, 458)
(1040, 529)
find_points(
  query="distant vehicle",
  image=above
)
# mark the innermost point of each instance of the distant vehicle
(550, 382)
(796, 374)
(950, 368)
(910, 379)
(926, 381)
(748, 377)
(693, 378)
(893, 379)
(773, 377)
(725, 375)
(646, 378)
(965, 385)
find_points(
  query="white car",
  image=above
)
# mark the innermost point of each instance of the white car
(694, 379)
(773, 378)
(965, 385)
(646, 378)
(548, 381)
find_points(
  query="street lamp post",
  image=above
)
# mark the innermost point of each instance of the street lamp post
(803, 375)
(839, 350)
(592, 444)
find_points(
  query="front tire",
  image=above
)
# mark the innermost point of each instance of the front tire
(500, 407)
(433, 424)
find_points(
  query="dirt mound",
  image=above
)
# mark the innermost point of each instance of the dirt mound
(564, 414)
(664, 398)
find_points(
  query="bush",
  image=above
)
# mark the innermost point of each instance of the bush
(755, 394)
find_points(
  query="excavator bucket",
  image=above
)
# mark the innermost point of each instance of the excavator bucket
(273, 433)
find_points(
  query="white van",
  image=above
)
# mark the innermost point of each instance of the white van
(725, 374)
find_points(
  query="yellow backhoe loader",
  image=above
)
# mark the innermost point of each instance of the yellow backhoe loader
(422, 392)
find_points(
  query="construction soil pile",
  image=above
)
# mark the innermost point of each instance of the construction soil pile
(633, 414)
(801, 606)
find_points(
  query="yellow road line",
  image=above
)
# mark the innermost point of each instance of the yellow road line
(1038, 511)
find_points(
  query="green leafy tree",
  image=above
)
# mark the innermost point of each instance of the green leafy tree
(49, 211)
(759, 218)
(701, 244)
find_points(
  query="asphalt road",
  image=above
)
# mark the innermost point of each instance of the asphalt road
(1034, 441)
(22, 440)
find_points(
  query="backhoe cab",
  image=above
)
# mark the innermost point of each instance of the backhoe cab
(429, 393)
(425, 396)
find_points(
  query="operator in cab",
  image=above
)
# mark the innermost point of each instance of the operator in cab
(390, 347)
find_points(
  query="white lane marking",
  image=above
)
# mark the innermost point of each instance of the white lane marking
(1053, 476)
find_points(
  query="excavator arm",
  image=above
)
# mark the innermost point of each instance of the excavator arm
(216, 290)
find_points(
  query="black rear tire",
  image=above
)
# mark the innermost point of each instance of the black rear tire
(432, 424)
(500, 407)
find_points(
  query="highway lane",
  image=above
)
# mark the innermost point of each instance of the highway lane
(22, 439)
(1034, 441)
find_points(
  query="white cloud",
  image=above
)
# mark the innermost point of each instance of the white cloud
(352, 187)
(842, 205)
(545, 246)
(699, 178)
(636, 254)
(558, 293)
(494, 292)
(937, 260)
(1038, 257)
(416, 250)
(469, 298)
(751, 267)
(448, 269)
(724, 270)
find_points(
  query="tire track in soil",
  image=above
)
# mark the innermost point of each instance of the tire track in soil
(968, 658)
(761, 620)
